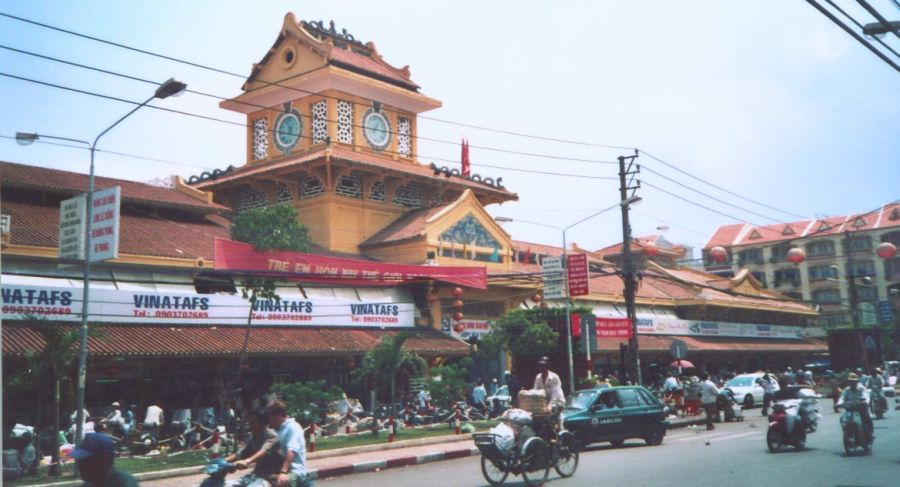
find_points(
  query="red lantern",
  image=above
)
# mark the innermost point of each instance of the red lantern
(458, 316)
(651, 250)
(457, 292)
(458, 328)
(718, 254)
(796, 255)
(537, 298)
(886, 250)
(458, 304)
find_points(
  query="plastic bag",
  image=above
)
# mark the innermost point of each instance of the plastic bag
(505, 439)
(517, 416)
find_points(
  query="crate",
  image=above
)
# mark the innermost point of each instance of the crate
(533, 400)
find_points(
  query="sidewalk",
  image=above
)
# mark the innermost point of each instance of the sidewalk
(346, 461)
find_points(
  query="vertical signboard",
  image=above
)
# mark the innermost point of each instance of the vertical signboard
(577, 274)
(71, 228)
(553, 278)
(105, 224)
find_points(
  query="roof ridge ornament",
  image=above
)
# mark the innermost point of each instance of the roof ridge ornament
(319, 31)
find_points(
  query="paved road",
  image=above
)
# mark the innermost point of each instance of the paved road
(736, 456)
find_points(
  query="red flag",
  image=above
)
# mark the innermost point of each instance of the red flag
(466, 169)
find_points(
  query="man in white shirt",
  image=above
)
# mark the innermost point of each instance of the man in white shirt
(292, 445)
(115, 420)
(550, 383)
(154, 419)
(708, 394)
(767, 382)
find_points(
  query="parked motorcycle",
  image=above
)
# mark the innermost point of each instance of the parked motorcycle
(855, 434)
(785, 429)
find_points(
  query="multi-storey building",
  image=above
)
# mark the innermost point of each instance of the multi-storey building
(837, 249)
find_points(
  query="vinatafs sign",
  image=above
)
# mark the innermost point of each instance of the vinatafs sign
(120, 306)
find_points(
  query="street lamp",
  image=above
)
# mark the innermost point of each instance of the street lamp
(165, 90)
(629, 201)
(878, 29)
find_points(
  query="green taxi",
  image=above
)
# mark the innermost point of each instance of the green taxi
(615, 414)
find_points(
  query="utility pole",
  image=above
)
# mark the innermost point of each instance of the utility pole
(628, 183)
(854, 301)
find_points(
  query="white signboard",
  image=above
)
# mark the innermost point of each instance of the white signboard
(105, 224)
(554, 279)
(71, 228)
(470, 328)
(648, 326)
(118, 306)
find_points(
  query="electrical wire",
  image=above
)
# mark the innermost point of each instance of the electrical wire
(278, 84)
(862, 27)
(696, 204)
(245, 126)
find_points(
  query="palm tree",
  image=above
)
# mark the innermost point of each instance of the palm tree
(51, 365)
(383, 364)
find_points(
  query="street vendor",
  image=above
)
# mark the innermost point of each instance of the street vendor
(550, 383)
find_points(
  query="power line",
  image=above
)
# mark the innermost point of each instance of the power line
(717, 186)
(862, 27)
(711, 197)
(668, 223)
(278, 84)
(303, 115)
(853, 34)
(245, 126)
(696, 204)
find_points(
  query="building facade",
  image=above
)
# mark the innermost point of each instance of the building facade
(831, 245)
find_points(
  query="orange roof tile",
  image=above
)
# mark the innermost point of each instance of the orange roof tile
(408, 226)
(203, 341)
(56, 181)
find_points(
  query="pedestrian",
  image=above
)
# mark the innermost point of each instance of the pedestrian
(492, 391)
(292, 447)
(514, 387)
(767, 382)
(708, 394)
(479, 395)
(95, 456)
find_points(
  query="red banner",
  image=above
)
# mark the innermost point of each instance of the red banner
(613, 328)
(239, 256)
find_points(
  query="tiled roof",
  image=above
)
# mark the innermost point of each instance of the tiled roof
(22, 176)
(746, 234)
(408, 226)
(38, 225)
(353, 157)
(661, 344)
(638, 244)
(536, 248)
(197, 341)
(347, 57)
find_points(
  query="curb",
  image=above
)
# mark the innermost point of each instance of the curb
(379, 465)
(387, 446)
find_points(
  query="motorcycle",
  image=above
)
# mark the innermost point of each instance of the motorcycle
(855, 434)
(806, 404)
(785, 429)
(878, 405)
(217, 469)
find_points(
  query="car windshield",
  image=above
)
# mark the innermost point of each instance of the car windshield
(503, 391)
(580, 400)
(740, 382)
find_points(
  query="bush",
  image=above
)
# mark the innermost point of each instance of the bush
(447, 383)
(307, 401)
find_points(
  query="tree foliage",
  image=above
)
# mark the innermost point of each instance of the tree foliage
(271, 228)
(447, 383)
(307, 401)
(522, 333)
(382, 365)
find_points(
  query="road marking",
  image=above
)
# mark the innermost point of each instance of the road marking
(716, 436)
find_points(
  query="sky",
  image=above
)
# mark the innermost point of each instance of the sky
(768, 100)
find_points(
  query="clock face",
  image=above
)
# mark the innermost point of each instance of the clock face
(376, 129)
(288, 128)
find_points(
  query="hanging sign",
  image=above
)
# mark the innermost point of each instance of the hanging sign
(105, 224)
(577, 275)
(71, 228)
(552, 275)
(614, 328)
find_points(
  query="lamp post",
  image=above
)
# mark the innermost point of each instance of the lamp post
(632, 200)
(165, 90)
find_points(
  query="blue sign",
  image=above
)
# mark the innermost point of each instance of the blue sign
(887, 314)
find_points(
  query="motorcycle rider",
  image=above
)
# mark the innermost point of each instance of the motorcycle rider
(856, 393)
(876, 383)
(261, 451)
(115, 420)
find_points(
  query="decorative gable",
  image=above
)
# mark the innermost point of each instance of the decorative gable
(469, 231)
(788, 230)
(858, 222)
(824, 227)
(895, 214)
(754, 235)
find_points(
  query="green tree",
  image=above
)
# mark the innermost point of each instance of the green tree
(267, 228)
(522, 333)
(447, 383)
(49, 366)
(383, 364)
(307, 401)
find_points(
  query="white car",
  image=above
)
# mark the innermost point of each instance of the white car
(502, 395)
(746, 391)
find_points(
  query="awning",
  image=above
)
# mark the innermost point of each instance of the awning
(226, 341)
(661, 343)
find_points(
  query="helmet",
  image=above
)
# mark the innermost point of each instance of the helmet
(852, 377)
(543, 360)
(116, 404)
(878, 369)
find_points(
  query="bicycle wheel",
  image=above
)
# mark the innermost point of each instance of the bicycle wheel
(567, 462)
(535, 462)
(492, 472)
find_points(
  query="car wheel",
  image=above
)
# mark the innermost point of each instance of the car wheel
(655, 434)
(748, 401)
